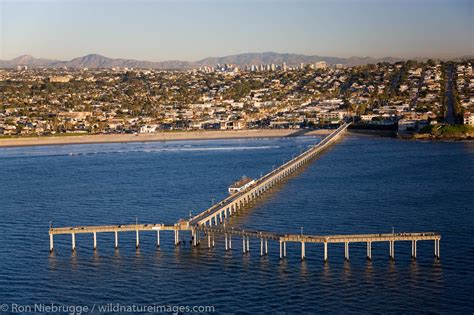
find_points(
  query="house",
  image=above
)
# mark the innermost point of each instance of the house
(148, 128)
(407, 125)
(469, 119)
(368, 117)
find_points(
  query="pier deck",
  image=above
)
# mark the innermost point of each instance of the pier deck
(111, 228)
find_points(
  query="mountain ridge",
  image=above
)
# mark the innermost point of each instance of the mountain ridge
(100, 61)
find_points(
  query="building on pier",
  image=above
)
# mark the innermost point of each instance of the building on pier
(240, 185)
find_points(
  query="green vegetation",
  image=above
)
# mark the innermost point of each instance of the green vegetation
(447, 131)
(455, 129)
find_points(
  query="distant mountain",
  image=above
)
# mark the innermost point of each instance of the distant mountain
(465, 57)
(26, 60)
(99, 61)
(94, 61)
(289, 59)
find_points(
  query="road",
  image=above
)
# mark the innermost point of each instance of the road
(450, 116)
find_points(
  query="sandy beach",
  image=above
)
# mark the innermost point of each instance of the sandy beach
(161, 136)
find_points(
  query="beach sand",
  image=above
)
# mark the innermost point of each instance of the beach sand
(160, 136)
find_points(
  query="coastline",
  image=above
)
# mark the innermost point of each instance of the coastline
(430, 137)
(160, 136)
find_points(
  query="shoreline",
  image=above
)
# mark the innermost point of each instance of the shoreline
(160, 136)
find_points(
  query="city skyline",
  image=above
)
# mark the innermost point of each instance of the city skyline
(190, 31)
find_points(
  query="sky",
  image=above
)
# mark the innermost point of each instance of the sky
(195, 29)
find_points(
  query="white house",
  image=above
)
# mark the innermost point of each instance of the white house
(469, 119)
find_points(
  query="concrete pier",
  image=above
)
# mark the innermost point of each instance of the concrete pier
(213, 221)
(264, 237)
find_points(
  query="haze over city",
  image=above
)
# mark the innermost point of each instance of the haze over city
(193, 30)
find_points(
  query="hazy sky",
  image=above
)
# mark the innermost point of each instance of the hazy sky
(192, 30)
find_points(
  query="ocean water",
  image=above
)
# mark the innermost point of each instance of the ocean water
(360, 185)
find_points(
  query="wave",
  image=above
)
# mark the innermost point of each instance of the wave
(186, 148)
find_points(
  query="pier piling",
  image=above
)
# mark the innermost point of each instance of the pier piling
(137, 238)
(436, 249)
(73, 241)
(325, 251)
(51, 243)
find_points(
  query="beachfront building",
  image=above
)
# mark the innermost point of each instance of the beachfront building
(469, 119)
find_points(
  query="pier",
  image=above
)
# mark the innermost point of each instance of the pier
(205, 236)
(204, 227)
